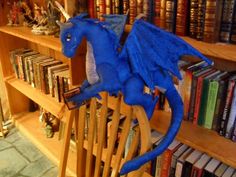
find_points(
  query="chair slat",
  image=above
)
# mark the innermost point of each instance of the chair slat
(80, 141)
(91, 133)
(101, 135)
(122, 143)
(112, 137)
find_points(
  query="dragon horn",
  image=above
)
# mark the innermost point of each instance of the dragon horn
(176, 105)
(66, 15)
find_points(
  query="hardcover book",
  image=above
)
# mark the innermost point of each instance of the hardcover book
(220, 170)
(200, 19)
(190, 160)
(212, 20)
(211, 100)
(199, 165)
(229, 97)
(193, 18)
(232, 116)
(210, 168)
(228, 172)
(171, 6)
(226, 20)
(167, 156)
(182, 15)
(180, 162)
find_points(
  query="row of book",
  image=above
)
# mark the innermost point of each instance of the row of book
(207, 20)
(180, 160)
(45, 73)
(209, 97)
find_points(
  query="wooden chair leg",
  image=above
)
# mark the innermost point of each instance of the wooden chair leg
(66, 144)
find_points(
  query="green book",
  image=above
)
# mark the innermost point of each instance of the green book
(211, 100)
(204, 97)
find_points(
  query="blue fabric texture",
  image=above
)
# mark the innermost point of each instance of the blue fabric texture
(149, 58)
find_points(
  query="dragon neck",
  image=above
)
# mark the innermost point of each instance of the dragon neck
(91, 73)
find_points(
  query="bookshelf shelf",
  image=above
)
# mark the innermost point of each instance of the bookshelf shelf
(25, 33)
(28, 124)
(46, 101)
(221, 51)
(205, 140)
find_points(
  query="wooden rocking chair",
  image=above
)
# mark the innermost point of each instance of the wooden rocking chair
(101, 151)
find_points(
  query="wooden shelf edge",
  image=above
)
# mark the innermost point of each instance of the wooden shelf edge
(29, 126)
(25, 33)
(199, 138)
(45, 101)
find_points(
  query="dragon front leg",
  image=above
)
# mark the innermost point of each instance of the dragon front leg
(108, 81)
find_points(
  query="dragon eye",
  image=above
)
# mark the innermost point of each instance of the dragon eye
(68, 37)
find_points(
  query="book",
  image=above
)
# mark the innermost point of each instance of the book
(180, 162)
(232, 116)
(212, 20)
(220, 102)
(210, 168)
(211, 100)
(201, 11)
(204, 96)
(195, 76)
(199, 165)
(226, 20)
(44, 74)
(132, 11)
(233, 138)
(167, 156)
(182, 14)
(224, 118)
(233, 29)
(170, 20)
(175, 156)
(234, 175)
(51, 71)
(163, 14)
(190, 160)
(228, 172)
(193, 18)
(220, 170)
(157, 13)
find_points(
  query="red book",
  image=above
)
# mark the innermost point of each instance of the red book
(181, 17)
(91, 8)
(198, 95)
(157, 11)
(167, 157)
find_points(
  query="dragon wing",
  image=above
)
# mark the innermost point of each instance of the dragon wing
(149, 47)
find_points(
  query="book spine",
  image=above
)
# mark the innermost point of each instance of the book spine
(197, 100)
(133, 11)
(181, 17)
(212, 20)
(232, 116)
(125, 6)
(202, 109)
(166, 161)
(211, 102)
(91, 7)
(219, 109)
(158, 166)
(102, 9)
(233, 29)
(200, 19)
(234, 132)
(186, 98)
(108, 6)
(224, 119)
(139, 6)
(146, 10)
(192, 98)
(193, 18)
(226, 20)
(157, 11)
(170, 15)
(163, 14)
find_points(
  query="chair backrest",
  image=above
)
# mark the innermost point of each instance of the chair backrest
(106, 138)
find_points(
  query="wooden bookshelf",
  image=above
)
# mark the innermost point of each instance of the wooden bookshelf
(25, 33)
(221, 51)
(199, 138)
(46, 101)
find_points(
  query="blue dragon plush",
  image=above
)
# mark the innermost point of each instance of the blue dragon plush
(148, 57)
